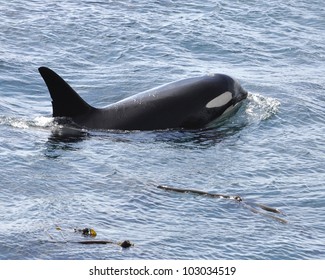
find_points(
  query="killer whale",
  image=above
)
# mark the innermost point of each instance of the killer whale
(185, 104)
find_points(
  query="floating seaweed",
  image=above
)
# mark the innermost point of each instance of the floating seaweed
(254, 207)
(89, 232)
(124, 244)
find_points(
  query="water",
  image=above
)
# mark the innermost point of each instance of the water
(270, 152)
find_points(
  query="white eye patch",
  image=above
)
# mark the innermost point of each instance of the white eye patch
(220, 100)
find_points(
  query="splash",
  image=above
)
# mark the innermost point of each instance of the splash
(22, 123)
(43, 122)
(261, 108)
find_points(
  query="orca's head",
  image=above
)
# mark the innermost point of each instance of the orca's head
(238, 93)
(229, 92)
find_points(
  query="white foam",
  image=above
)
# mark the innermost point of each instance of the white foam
(260, 107)
(43, 121)
(22, 123)
(19, 124)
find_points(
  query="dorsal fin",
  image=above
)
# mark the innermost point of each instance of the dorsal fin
(65, 101)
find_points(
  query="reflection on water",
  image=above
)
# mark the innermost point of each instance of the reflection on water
(68, 134)
(63, 139)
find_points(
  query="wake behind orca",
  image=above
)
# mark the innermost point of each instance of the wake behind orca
(185, 104)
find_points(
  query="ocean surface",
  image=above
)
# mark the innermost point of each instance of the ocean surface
(270, 152)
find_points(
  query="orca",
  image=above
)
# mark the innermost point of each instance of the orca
(191, 103)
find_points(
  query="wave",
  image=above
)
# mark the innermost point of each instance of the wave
(256, 109)
(19, 122)
(260, 108)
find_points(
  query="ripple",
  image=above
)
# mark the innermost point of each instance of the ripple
(270, 151)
